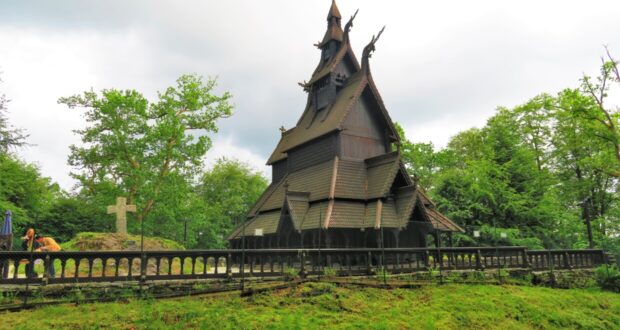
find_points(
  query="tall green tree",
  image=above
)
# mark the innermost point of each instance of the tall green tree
(582, 161)
(144, 150)
(604, 119)
(25, 191)
(10, 137)
(228, 190)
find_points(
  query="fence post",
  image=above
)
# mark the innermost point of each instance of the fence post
(478, 260)
(567, 261)
(302, 265)
(47, 268)
(526, 259)
(369, 262)
(551, 264)
(228, 265)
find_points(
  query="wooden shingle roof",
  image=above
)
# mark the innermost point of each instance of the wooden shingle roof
(297, 204)
(267, 223)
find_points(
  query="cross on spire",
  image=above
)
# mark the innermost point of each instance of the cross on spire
(121, 208)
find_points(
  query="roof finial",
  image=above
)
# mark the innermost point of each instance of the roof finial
(333, 11)
(369, 49)
(334, 29)
(348, 27)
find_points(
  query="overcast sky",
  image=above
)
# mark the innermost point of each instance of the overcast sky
(441, 66)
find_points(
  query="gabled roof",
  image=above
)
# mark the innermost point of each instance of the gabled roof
(405, 203)
(441, 222)
(297, 205)
(314, 124)
(315, 217)
(267, 222)
(381, 171)
(393, 211)
(336, 178)
(314, 180)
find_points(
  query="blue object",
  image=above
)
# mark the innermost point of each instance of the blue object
(7, 226)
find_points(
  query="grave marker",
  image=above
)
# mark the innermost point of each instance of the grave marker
(121, 208)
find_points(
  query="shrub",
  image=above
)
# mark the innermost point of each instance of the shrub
(330, 272)
(382, 273)
(291, 273)
(608, 277)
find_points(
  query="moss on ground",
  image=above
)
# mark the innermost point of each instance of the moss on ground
(323, 305)
(89, 241)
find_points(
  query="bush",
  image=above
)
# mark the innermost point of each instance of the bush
(382, 273)
(291, 273)
(608, 277)
(330, 272)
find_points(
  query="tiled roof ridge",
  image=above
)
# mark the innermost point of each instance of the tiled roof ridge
(378, 214)
(382, 159)
(358, 92)
(298, 195)
(265, 196)
(332, 192)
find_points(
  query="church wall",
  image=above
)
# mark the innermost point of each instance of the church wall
(312, 153)
(362, 136)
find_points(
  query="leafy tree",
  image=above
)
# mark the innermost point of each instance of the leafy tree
(70, 215)
(603, 120)
(10, 137)
(144, 149)
(228, 190)
(422, 160)
(582, 160)
(25, 192)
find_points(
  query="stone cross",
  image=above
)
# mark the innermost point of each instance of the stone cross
(121, 208)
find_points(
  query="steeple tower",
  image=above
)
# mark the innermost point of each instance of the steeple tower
(337, 62)
(335, 174)
(333, 35)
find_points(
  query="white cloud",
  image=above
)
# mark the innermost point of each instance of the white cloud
(226, 147)
(441, 66)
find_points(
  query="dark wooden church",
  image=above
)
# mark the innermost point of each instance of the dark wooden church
(337, 176)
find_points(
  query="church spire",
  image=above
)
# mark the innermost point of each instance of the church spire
(333, 11)
(334, 29)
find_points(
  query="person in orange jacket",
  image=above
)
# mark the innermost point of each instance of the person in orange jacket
(48, 244)
(29, 244)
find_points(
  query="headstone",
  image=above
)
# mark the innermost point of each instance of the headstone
(121, 208)
(476, 233)
(503, 235)
(258, 232)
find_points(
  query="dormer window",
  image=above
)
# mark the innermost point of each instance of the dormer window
(324, 93)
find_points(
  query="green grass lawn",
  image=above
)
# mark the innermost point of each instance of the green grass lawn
(323, 305)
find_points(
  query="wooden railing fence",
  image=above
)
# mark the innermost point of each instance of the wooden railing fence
(111, 266)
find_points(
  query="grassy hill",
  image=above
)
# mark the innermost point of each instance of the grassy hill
(89, 241)
(323, 305)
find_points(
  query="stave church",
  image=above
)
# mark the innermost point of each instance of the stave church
(337, 176)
